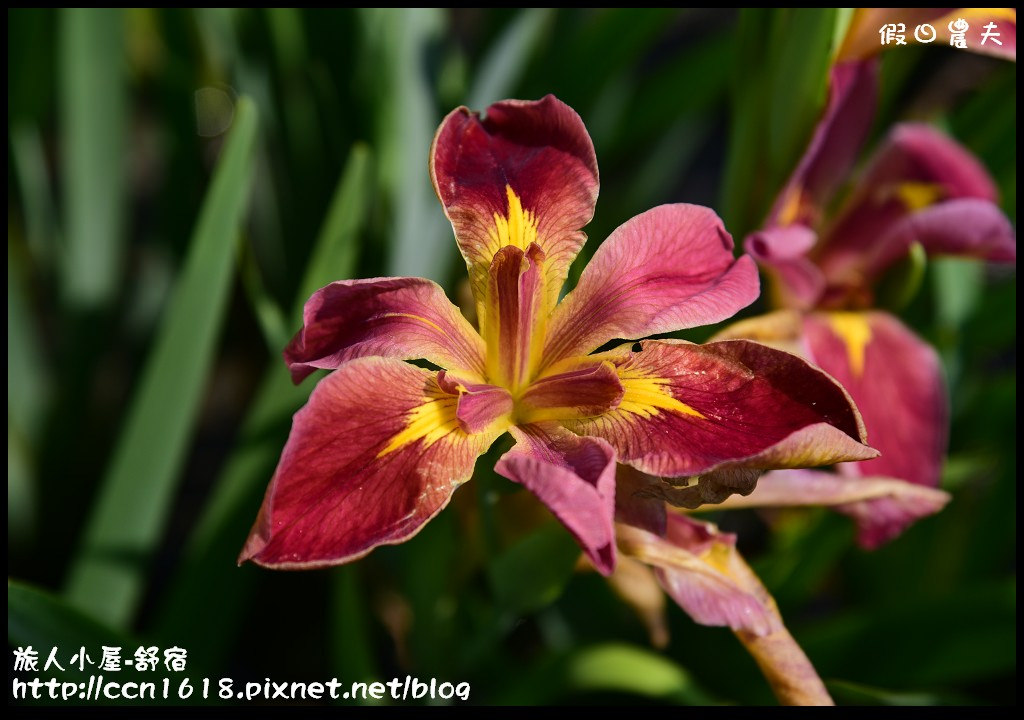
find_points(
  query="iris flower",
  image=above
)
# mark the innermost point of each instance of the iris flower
(920, 193)
(383, 443)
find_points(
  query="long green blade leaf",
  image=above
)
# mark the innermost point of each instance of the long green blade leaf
(92, 124)
(397, 40)
(137, 491)
(42, 620)
(207, 568)
(507, 59)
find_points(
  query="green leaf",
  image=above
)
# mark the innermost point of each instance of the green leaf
(801, 45)
(349, 637)
(532, 573)
(93, 138)
(406, 117)
(625, 668)
(968, 634)
(604, 668)
(901, 282)
(138, 489)
(28, 163)
(503, 65)
(336, 251)
(743, 189)
(843, 18)
(957, 288)
(38, 618)
(848, 693)
(28, 395)
(208, 563)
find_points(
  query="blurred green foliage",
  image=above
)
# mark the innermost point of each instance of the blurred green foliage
(180, 181)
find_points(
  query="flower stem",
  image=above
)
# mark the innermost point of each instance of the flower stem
(785, 665)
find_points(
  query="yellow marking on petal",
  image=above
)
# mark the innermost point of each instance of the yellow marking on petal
(429, 422)
(855, 332)
(791, 207)
(919, 195)
(646, 396)
(518, 227)
(718, 556)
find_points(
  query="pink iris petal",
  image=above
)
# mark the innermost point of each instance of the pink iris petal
(965, 227)
(479, 404)
(696, 565)
(667, 269)
(405, 318)
(916, 167)
(915, 152)
(352, 476)
(783, 251)
(882, 507)
(538, 151)
(896, 380)
(725, 406)
(575, 478)
(700, 568)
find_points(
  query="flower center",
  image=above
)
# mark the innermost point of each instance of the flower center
(513, 316)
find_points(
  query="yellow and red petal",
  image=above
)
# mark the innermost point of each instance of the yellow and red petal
(882, 507)
(512, 316)
(526, 172)
(403, 318)
(376, 452)
(480, 406)
(896, 380)
(722, 408)
(587, 390)
(575, 477)
(667, 269)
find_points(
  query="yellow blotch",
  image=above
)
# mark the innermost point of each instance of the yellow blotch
(854, 330)
(791, 207)
(646, 396)
(429, 422)
(518, 227)
(918, 195)
(718, 556)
